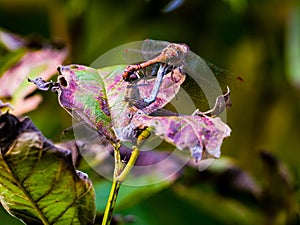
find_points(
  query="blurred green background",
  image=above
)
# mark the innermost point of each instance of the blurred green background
(258, 40)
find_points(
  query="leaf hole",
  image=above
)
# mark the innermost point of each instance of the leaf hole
(63, 82)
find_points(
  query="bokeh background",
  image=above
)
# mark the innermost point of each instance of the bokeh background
(256, 181)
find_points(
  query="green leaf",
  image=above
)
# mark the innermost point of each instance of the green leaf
(38, 182)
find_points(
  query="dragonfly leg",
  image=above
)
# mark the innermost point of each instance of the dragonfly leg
(148, 101)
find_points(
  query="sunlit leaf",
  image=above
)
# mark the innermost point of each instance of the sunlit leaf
(38, 183)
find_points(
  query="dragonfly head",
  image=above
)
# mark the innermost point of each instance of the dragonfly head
(130, 73)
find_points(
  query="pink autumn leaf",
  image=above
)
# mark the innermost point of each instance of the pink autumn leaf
(30, 62)
(202, 135)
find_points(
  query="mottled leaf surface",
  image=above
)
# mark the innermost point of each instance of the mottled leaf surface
(202, 135)
(38, 183)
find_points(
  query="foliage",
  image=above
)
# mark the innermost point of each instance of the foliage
(35, 176)
(254, 39)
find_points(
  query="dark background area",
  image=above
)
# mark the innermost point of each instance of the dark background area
(257, 40)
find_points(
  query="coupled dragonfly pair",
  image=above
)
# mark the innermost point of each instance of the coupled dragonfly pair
(161, 57)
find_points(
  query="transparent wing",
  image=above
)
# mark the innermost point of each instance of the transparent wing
(194, 64)
(211, 79)
(196, 68)
(129, 53)
(152, 48)
(224, 77)
(143, 50)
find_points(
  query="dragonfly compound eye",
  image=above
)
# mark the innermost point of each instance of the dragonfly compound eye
(130, 76)
(130, 73)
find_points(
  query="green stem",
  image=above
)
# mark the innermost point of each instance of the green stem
(121, 173)
(111, 202)
(134, 155)
(119, 177)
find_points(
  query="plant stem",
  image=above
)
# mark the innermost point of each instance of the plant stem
(111, 202)
(119, 177)
(134, 155)
(121, 173)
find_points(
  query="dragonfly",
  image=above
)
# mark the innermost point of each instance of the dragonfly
(173, 55)
(209, 78)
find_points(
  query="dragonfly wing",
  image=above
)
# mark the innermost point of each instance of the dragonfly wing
(129, 53)
(193, 63)
(224, 77)
(152, 48)
(200, 72)
(133, 54)
(141, 51)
